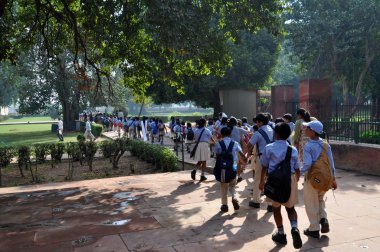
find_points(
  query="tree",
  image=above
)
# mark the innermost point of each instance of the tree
(149, 40)
(253, 60)
(336, 39)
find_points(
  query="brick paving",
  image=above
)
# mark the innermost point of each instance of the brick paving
(170, 212)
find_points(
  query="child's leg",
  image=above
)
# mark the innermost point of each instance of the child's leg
(322, 206)
(223, 192)
(278, 218)
(292, 215)
(231, 188)
(256, 180)
(311, 205)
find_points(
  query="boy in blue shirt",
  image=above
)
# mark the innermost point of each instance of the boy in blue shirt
(236, 149)
(313, 198)
(273, 155)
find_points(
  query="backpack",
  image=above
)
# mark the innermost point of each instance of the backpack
(320, 175)
(223, 170)
(149, 127)
(154, 128)
(278, 184)
(190, 134)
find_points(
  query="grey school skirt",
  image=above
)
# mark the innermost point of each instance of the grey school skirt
(203, 152)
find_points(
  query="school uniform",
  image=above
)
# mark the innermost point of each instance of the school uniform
(314, 203)
(202, 152)
(87, 133)
(272, 156)
(60, 130)
(224, 187)
(258, 139)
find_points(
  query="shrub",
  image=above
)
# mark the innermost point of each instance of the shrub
(23, 158)
(56, 152)
(6, 154)
(96, 129)
(40, 152)
(74, 152)
(162, 157)
(90, 150)
(120, 147)
(107, 148)
(370, 136)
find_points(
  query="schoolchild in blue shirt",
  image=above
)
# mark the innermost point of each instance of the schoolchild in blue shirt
(201, 135)
(313, 198)
(259, 141)
(236, 150)
(273, 155)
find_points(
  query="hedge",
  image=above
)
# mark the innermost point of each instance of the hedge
(96, 129)
(163, 158)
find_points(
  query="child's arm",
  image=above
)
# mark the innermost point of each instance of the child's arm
(334, 185)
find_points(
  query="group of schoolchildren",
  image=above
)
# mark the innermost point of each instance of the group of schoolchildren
(132, 127)
(278, 151)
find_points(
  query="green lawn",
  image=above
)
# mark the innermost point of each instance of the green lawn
(31, 134)
(27, 119)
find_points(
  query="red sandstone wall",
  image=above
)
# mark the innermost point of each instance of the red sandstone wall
(280, 95)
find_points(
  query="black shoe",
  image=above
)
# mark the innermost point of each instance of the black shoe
(297, 242)
(269, 209)
(254, 204)
(279, 238)
(240, 179)
(224, 208)
(325, 227)
(193, 172)
(203, 178)
(314, 234)
(235, 203)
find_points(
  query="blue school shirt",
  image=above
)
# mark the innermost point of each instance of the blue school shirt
(205, 136)
(258, 138)
(235, 150)
(311, 153)
(275, 153)
(236, 134)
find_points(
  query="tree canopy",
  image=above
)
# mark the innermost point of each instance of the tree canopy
(148, 40)
(337, 39)
(253, 60)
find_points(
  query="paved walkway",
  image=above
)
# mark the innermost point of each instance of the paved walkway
(170, 212)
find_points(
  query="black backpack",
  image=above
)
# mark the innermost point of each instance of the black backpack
(190, 134)
(278, 185)
(265, 136)
(223, 170)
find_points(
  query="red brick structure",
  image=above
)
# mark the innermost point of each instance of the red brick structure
(281, 97)
(315, 96)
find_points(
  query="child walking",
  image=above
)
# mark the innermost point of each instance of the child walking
(227, 178)
(272, 156)
(315, 207)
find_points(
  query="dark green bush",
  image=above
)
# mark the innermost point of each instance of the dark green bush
(23, 158)
(107, 148)
(74, 153)
(370, 136)
(163, 158)
(90, 150)
(40, 151)
(56, 151)
(96, 129)
(6, 155)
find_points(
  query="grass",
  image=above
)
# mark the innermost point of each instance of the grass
(27, 119)
(11, 135)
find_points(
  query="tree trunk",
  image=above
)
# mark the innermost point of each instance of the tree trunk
(216, 103)
(359, 84)
(141, 108)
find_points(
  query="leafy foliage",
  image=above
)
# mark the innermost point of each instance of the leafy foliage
(337, 39)
(96, 129)
(6, 154)
(149, 41)
(56, 151)
(162, 157)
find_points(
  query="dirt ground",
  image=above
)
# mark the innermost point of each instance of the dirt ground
(102, 168)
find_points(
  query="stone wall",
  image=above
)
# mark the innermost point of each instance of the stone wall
(363, 158)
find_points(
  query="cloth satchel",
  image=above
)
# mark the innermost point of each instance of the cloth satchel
(320, 174)
(192, 154)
